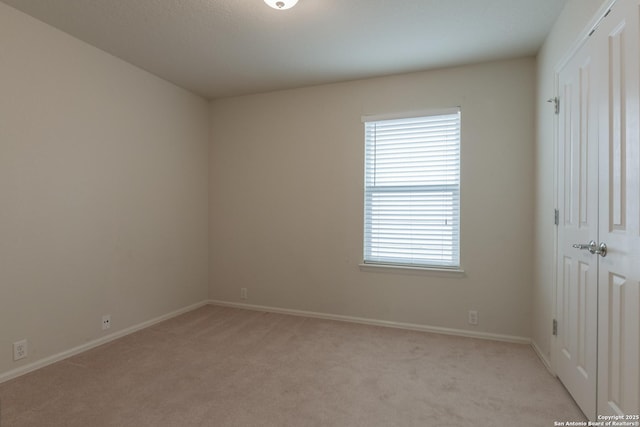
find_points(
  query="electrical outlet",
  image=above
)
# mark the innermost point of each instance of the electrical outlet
(106, 322)
(19, 350)
(243, 293)
(473, 317)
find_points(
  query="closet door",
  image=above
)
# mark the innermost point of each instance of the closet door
(575, 350)
(617, 43)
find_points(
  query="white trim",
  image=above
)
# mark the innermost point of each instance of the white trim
(584, 34)
(375, 322)
(405, 269)
(556, 205)
(545, 361)
(410, 114)
(594, 22)
(6, 376)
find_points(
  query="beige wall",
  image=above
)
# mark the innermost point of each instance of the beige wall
(103, 192)
(105, 200)
(573, 20)
(286, 186)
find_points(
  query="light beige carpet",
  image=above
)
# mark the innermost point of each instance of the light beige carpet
(219, 366)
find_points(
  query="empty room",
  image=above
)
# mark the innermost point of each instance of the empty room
(319, 213)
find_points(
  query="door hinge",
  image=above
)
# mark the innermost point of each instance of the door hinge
(555, 327)
(556, 217)
(556, 104)
(595, 27)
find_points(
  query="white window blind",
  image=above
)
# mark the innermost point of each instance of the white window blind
(412, 191)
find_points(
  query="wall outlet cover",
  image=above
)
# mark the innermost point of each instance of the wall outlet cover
(106, 322)
(20, 350)
(473, 317)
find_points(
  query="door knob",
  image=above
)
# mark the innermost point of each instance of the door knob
(602, 249)
(593, 247)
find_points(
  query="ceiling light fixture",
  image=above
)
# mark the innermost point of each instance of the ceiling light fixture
(281, 4)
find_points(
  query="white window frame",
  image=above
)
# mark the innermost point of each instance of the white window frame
(452, 265)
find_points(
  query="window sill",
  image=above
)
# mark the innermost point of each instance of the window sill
(404, 269)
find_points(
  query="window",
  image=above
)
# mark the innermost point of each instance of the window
(412, 191)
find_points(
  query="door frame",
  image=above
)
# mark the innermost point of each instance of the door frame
(566, 57)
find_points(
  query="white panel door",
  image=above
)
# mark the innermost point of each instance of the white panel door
(575, 355)
(619, 271)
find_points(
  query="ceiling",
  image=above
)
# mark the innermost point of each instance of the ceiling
(220, 48)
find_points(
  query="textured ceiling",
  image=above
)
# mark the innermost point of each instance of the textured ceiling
(230, 47)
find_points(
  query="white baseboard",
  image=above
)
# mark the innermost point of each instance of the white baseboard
(543, 358)
(94, 343)
(6, 376)
(375, 322)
